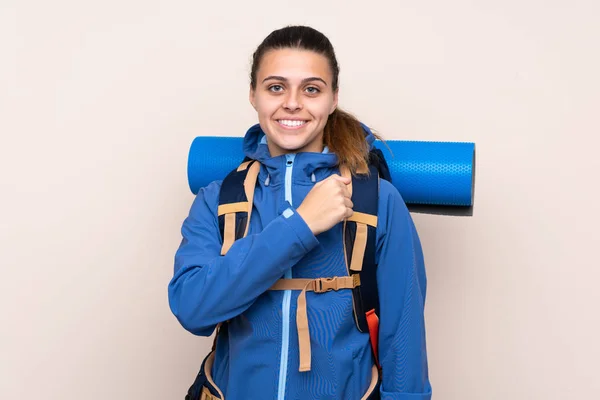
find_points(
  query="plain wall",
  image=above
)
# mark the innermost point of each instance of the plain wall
(99, 102)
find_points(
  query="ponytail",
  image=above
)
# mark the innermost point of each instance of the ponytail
(344, 135)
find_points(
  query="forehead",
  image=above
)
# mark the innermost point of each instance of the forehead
(294, 64)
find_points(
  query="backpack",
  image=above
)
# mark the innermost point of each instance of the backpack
(359, 235)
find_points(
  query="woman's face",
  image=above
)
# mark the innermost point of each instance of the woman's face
(293, 99)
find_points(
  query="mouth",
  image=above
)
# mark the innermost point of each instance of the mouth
(291, 123)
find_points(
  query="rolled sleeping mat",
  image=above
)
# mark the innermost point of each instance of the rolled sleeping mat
(432, 177)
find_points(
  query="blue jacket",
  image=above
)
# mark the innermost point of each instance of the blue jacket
(259, 359)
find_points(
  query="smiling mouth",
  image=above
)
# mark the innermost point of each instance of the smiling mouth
(291, 123)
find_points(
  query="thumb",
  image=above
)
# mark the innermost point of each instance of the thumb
(343, 179)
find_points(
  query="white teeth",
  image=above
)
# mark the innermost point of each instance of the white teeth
(291, 123)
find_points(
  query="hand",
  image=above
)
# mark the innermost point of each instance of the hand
(327, 204)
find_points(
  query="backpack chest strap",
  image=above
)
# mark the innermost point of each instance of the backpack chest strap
(319, 285)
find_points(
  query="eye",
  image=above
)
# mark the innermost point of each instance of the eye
(312, 90)
(275, 88)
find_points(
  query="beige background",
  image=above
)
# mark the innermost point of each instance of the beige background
(99, 102)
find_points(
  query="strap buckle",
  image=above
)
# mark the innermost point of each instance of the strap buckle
(323, 285)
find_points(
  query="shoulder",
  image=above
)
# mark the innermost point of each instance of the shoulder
(390, 199)
(392, 211)
(207, 199)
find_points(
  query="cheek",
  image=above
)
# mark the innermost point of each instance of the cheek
(267, 105)
(322, 108)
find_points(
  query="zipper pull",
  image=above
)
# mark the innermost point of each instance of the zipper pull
(290, 160)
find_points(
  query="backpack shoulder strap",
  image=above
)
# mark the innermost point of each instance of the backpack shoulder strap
(360, 241)
(236, 199)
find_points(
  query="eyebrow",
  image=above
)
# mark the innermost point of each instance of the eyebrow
(306, 80)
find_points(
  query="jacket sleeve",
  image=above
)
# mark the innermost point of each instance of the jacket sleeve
(402, 285)
(208, 288)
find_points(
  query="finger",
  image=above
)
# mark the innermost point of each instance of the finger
(349, 213)
(348, 203)
(342, 179)
(346, 192)
(341, 187)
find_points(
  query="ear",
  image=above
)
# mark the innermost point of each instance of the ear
(251, 97)
(335, 101)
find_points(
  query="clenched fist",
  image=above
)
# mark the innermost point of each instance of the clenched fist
(327, 204)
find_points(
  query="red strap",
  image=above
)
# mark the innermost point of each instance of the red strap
(373, 322)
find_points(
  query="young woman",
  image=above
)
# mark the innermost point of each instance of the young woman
(304, 144)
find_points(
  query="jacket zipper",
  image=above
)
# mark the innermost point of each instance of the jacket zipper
(287, 294)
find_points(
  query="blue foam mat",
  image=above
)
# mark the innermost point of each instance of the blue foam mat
(425, 173)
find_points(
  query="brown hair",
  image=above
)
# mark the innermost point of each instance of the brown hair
(343, 134)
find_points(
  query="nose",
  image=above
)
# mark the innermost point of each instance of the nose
(292, 101)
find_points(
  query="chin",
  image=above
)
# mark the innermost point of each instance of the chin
(291, 146)
(290, 139)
